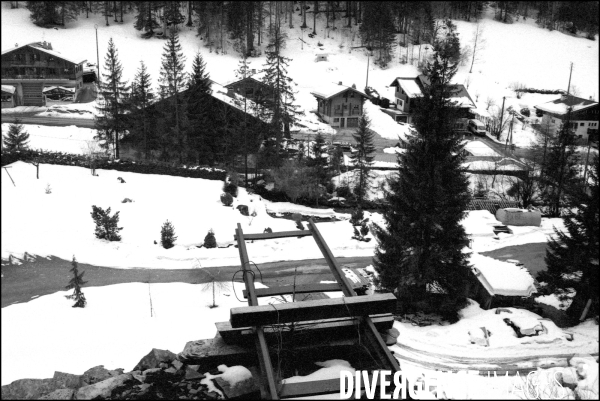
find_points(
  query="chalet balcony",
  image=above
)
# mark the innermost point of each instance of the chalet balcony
(38, 77)
(338, 113)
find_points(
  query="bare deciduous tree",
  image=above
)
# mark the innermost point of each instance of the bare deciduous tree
(489, 102)
(518, 88)
(478, 43)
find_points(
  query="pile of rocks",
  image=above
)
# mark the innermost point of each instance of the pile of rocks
(159, 375)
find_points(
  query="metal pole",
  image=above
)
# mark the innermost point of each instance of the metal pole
(368, 58)
(501, 115)
(97, 53)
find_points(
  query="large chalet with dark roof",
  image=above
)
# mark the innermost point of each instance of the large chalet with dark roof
(31, 67)
(584, 116)
(252, 88)
(409, 90)
(340, 106)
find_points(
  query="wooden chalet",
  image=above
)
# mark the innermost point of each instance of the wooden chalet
(409, 90)
(340, 106)
(252, 88)
(584, 116)
(31, 67)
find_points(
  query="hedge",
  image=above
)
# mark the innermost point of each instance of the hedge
(68, 159)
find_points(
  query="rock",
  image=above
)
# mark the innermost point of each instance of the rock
(176, 364)
(151, 371)
(171, 370)
(27, 389)
(153, 359)
(194, 367)
(144, 387)
(191, 374)
(60, 394)
(243, 210)
(67, 380)
(245, 389)
(212, 395)
(102, 389)
(193, 391)
(139, 378)
(95, 375)
(390, 337)
(163, 365)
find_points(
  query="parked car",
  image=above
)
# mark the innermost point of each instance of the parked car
(476, 127)
(525, 111)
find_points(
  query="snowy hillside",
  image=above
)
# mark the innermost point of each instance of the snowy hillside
(505, 58)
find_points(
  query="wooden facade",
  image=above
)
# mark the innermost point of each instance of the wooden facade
(253, 89)
(584, 117)
(29, 68)
(341, 107)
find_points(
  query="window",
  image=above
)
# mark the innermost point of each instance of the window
(553, 121)
(580, 136)
(336, 120)
(582, 125)
(337, 107)
(351, 94)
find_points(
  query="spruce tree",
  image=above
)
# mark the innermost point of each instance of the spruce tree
(173, 80)
(145, 18)
(362, 159)
(572, 256)
(210, 241)
(560, 168)
(167, 235)
(42, 12)
(201, 127)
(141, 95)
(16, 138)
(76, 283)
(319, 162)
(421, 242)
(284, 112)
(110, 124)
(378, 31)
(107, 226)
(172, 14)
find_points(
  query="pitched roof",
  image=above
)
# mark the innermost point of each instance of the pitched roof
(411, 86)
(414, 88)
(233, 99)
(330, 90)
(8, 89)
(559, 106)
(40, 46)
(257, 76)
(491, 205)
(502, 278)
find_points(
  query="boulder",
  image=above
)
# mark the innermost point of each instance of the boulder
(68, 380)
(27, 389)
(154, 358)
(96, 374)
(243, 210)
(60, 394)
(102, 389)
(243, 389)
(192, 374)
(176, 364)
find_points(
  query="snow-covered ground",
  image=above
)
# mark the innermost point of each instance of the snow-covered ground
(69, 139)
(31, 218)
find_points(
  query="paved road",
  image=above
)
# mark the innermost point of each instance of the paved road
(43, 276)
(53, 121)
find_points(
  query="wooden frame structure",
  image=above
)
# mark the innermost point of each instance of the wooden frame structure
(353, 308)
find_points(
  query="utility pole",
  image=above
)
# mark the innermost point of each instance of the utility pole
(368, 59)
(569, 86)
(501, 116)
(509, 136)
(97, 53)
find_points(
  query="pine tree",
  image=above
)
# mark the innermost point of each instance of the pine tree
(172, 14)
(42, 12)
(572, 256)
(362, 159)
(16, 138)
(378, 31)
(201, 128)
(210, 241)
(167, 235)
(420, 245)
(141, 95)
(146, 17)
(284, 112)
(111, 121)
(172, 81)
(560, 167)
(318, 162)
(76, 283)
(107, 226)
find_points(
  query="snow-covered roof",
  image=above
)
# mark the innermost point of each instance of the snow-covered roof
(257, 76)
(40, 47)
(559, 106)
(329, 90)
(409, 85)
(502, 278)
(490, 165)
(221, 93)
(49, 88)
(477, 148)
(8, 88)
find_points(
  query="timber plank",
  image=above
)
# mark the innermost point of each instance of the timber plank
(281, 234)
(299, 289)
(312, 310)
(313, 388)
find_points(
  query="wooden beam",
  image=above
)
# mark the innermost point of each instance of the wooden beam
(281, 234)
(329, 327)
(268, 388)
(313, 310)
(313, 388)
(297, 289)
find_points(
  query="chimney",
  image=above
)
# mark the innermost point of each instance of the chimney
(339, 83)
(16, 45)
(591, 98)
(353, 86)
(253, 71)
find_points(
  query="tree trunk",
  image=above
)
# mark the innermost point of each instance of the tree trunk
(115, 11)
(315, 11)
(189, 22)
(106, 10)
(291, 8)
(249, 30)
(349, 13)
(121, 7)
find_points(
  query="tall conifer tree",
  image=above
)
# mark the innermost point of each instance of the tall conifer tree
(420, 245)
(141, 95)
(16, 138)
(363, 158)
(199, 112)
(75, 284)
(110, 123)
(173, 80)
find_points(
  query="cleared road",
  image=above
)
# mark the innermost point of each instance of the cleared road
(53, 121)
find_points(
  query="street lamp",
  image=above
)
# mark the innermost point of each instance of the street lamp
(97, 53)
(369, 49)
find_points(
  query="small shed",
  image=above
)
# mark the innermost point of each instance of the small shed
(519, 217)
(321, 57)
(499, 283)
(8, 96)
